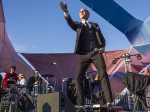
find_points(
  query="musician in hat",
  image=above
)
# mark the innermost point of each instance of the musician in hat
(35, 79)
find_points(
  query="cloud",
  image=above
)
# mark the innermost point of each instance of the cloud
(20, 47)
(24, 48)
(35, 49)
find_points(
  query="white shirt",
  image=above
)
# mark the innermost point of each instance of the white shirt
(23, 82)
(67, 15)
(87, 23)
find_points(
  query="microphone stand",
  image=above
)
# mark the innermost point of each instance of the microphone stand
(61, 76)
(89, 77)
(54, 80)
(44, 79)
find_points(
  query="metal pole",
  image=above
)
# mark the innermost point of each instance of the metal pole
(62, 78)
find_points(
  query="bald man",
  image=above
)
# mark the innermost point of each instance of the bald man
(90, 44)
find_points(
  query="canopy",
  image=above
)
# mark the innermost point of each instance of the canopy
(8, 55)
(67, 63)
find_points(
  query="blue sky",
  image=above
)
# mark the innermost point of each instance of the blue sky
(38, 26)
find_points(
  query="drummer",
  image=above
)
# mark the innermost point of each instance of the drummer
(10, 77)
(22, 81)
(35, 79)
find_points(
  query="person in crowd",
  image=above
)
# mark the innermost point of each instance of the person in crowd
(22, 81)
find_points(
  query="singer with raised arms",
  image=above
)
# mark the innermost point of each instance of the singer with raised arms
(35, 79)
(90, 44)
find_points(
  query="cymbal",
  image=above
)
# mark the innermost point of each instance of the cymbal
(43, 84)
(47, 75)
(17, 85)
(21, 86)
(11, 85)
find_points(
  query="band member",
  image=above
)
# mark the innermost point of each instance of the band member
(90, 45)
(22, 81)
(33, 81)
(10, 77)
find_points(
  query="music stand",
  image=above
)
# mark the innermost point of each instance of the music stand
(136, 84)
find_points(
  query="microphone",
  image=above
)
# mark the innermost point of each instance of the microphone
(86, 72)
(53, 63)
(101, 50)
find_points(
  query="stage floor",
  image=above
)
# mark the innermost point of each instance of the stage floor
(99, 108)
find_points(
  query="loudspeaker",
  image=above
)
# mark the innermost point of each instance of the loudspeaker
(54, 102)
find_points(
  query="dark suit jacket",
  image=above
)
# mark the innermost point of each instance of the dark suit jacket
(31, 81)
(76, 26)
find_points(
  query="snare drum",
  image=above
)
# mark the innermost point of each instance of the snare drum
(38, 89)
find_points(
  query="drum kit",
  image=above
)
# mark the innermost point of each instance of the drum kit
(11, 97)
(16, 85)
(43, 88)
(15, 89)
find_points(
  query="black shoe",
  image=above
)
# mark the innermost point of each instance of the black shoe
(81, 110)
(110, 108)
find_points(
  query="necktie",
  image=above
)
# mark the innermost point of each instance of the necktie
(86, 24)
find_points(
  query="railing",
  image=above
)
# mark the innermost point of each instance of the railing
(121, 99)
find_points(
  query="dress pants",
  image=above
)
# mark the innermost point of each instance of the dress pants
(84, 61)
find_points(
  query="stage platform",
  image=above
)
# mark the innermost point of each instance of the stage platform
(99, 108)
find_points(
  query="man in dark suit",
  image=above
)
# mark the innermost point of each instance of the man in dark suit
(90, 45)
(34, 80)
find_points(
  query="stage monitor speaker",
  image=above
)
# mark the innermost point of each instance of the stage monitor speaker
(54, 102)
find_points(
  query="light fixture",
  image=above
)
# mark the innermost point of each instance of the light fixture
(114, 60)
(139, 57)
